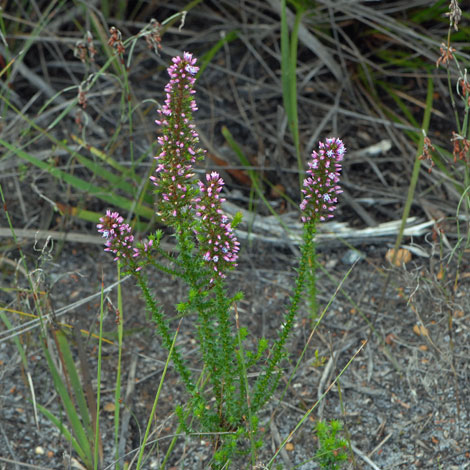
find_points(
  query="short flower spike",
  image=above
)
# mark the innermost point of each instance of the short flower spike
(216, 237)
(118, 235)
(321, 185)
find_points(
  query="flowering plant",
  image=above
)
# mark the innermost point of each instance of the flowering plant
(207, 249)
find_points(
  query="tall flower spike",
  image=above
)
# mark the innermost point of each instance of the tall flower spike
(217, 243)
(321, 185)
(179, 142)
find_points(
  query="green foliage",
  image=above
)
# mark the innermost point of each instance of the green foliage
(237, 218)
(318, 361)
(254, 358)
(331, 449)
(222, 401)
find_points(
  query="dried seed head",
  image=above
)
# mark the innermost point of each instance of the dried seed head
(152, 36)
(455, 14)
(115, 40)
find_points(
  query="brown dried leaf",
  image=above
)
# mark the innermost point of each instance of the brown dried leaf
(402, 257)
(109, 407)
(420, 330)
(389, 338)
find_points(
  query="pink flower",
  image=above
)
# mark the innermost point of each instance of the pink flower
(144, 248)
(118, 235)
(321, 184)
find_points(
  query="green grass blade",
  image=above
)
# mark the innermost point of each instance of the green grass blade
(66, 433)
(82, 185)
(434, 12)
(115, 180)
(98, 386)
(252, 174)
(16, 340)
(155, 402)
(289, 79)
(117, 394)
(71, 412)
(285, 58)
(416, 167)
(74, 380)
(293, 111)
(209, 55)
(101, 155)
(399, 102)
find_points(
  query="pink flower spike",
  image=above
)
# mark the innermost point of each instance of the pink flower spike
(320, 186)
(174, 175)
(215, 234)
(118, 235)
